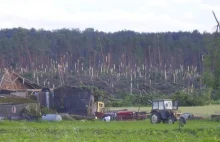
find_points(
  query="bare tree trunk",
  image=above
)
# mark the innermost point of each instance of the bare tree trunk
(158, 45)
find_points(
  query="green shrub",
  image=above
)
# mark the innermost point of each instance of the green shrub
(117, 103)
(45, 110)
(194, 98)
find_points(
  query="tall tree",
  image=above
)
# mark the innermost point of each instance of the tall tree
(212, 63)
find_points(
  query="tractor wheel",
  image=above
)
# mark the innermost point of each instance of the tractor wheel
(170, 120)
(182, 120)
(155, 118)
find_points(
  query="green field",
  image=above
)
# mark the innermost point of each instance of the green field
(204, 111)
(99, 131)
(114, 131)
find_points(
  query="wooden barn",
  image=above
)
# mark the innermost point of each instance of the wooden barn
(17, 85)
(12, 81)
(75, 100)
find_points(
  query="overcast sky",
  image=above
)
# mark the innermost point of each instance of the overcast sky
(111, 15)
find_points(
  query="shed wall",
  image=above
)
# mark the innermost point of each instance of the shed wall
(73, 100)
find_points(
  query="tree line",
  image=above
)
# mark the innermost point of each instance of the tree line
(30, 48)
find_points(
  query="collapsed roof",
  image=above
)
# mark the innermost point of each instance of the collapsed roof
(12, 81)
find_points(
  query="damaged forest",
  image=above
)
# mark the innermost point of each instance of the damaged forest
(130, 67)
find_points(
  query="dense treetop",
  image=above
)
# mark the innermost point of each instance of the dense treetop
(21, 46)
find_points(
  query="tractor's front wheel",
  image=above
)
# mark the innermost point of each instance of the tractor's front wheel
(155, 118)
(170, 120)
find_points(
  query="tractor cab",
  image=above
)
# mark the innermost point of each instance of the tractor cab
(164, 110)
(164, 104)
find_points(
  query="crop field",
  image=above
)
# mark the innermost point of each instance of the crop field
(114, 131)
(204, 111)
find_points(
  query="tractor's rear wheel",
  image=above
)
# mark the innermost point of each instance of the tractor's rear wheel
(155, 118)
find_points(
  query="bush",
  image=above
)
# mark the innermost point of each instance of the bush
(197, 97)
(45, 110)
(117, 103)
(215, 102)
(194, 98)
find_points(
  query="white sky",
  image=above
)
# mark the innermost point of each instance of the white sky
(111, 15)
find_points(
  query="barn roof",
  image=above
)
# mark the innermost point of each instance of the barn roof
(13, 81)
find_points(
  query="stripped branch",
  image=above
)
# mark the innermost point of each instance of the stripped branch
(217, 27)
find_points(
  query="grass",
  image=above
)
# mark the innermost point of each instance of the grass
(15, 99)
(204, 111)
(120, 131)
(99, 131)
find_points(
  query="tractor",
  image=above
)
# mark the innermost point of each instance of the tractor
(166, 111)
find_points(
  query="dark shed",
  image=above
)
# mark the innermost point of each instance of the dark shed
(74, 100)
